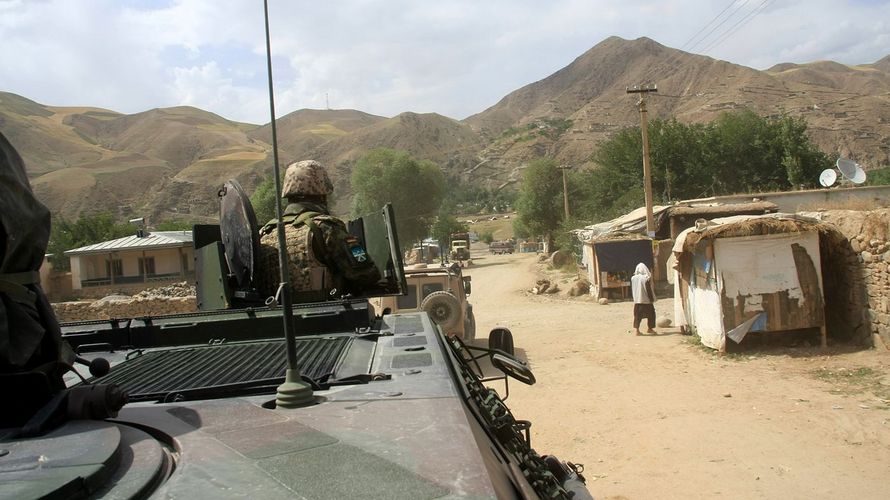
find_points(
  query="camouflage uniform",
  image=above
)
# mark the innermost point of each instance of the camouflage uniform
(322, 255)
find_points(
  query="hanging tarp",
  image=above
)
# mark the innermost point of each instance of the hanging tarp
(749, 274)
(623, 255)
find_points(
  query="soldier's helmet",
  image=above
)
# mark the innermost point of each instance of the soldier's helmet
(306, 178)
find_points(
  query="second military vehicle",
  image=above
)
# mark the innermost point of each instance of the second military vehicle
(441, 291)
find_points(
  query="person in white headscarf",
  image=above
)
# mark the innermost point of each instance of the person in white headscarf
(644, 298)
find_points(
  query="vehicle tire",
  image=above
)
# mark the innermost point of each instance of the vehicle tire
(443, 308)
(502, 340)
(470, 326)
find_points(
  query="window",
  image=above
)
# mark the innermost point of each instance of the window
(408, 301)
(430, 288)
(114, 267)
(146, 266)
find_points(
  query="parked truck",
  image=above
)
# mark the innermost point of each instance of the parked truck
(460, 246)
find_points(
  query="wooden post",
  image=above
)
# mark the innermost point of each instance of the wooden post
(647, 171)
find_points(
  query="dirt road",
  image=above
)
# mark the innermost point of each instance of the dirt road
(661, 417)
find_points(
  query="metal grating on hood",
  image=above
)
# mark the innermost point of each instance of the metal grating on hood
(157, 374)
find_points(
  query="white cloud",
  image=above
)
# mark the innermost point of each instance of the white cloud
(383, 57)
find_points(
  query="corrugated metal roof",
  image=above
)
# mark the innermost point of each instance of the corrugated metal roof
(155, 240)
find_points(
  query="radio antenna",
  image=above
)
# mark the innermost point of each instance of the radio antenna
(294, 392)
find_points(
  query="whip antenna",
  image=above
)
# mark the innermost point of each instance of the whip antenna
(293, 392)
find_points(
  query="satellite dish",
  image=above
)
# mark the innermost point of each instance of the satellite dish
(847, 167)
(859, 176)
(828, 177)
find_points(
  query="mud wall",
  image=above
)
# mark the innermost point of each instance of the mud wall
(813, 199)
(856, 276)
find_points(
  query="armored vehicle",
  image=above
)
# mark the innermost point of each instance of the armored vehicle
(398, 409)
(440, 291)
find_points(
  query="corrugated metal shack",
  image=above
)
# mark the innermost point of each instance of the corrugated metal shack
(744, 274)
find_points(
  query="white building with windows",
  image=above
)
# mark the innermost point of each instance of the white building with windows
(133, 261)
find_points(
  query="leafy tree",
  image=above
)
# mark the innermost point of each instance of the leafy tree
(539, 205)
(879, 177)
(738, 152)
(263, 200)
(68, 235)
(414, 187)
(802, 160)
(486, 237)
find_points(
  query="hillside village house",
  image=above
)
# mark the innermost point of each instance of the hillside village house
(133, 262)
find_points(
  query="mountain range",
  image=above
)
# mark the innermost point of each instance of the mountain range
(168, 163)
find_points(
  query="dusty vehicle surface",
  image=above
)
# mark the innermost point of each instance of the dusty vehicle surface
(397, 409)
(441, 291)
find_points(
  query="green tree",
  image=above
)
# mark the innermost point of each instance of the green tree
(802, 160)
(737, 152)
(414, 187)
(263, 200)
(539, 204)
(68, 235)
(879, 177)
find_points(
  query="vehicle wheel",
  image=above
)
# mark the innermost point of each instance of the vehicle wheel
(470, 327)
(443, 308)
(501, 339)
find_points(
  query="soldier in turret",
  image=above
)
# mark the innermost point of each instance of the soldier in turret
(325, 260)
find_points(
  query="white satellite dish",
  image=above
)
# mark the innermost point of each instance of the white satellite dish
(828, 177)
(858, 176)
(847, 167)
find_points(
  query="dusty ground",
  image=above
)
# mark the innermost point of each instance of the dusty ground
(662, 417)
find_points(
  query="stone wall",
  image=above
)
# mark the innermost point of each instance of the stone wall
(97, 292)
(123, 307)
(856, 276)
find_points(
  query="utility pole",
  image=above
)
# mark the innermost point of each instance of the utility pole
(565, 188)
(643, 90)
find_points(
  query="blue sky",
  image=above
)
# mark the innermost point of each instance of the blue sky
(384, 57)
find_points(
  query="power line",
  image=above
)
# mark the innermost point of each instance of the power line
(676, 56)
(720, 37)
(760, 8)
(727, 18)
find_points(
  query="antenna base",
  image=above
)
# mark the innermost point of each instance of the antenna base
(293, 393)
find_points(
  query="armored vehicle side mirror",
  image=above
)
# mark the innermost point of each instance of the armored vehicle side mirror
(467, 287)
(512, 367)
(501, 339)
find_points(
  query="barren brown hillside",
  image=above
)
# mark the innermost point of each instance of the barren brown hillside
(306, 129)
(847, 108)
(168, 162)
(450, 143)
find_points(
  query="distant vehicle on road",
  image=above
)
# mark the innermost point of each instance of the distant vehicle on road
(501, 247)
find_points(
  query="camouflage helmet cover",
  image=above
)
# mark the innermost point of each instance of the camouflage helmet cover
(306, 178)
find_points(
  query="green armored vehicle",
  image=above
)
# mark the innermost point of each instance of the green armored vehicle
(398, 409)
